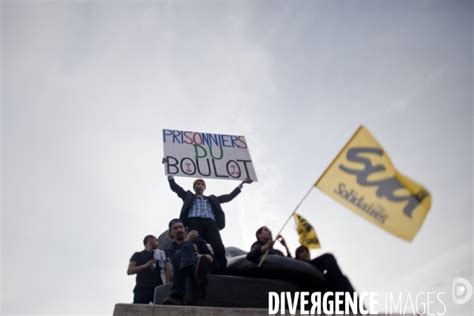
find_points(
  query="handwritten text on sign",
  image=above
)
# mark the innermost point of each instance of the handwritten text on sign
(205, 155)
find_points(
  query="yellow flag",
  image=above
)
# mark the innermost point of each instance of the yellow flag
(306, 232)
(363, 179)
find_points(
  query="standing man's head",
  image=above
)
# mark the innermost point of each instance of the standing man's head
(263, 233)
(302, 253)
(199, 186)
(177, 230)
(150, 242)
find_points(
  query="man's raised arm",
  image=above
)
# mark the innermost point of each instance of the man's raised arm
(173, 185)
(229, 197)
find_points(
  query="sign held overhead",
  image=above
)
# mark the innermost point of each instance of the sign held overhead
(205, 155)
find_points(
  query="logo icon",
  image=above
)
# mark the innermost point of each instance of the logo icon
(461, 291)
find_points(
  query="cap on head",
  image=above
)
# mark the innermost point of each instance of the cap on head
(198, 181)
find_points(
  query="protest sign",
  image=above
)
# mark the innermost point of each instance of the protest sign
(205, 155)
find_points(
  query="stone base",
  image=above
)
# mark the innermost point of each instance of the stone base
(166, 310)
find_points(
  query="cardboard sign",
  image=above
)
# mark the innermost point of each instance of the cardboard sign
(205, 155)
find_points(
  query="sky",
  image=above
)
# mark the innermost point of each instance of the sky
(88, 86)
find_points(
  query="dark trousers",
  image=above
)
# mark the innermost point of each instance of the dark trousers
(208, 230)
(184, 262)
(337, 281)
(143, 295)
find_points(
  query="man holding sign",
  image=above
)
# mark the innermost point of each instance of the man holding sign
(206, 155)
(205, 214)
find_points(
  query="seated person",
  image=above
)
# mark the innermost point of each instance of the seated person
(327, 264)
(191, 260)
(265, 242)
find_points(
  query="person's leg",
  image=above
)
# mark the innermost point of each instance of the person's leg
(149, 295)
(187, 255)
(197, 223)
(213, 237)
(179, 280)
(178, 287)
(190, 284)
(136, 296)
(202, 270)
(327, 264)
(184, 287)
(142, 296)
(337, 281)
(196, 281)
(209, 231)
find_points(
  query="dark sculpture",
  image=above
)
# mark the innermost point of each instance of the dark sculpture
(247, 285)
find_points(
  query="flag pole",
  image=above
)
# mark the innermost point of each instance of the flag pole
(314, 185)
(289, 217)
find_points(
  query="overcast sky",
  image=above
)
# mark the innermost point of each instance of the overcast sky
(88, 86)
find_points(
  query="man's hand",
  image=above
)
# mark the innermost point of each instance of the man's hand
(192, 235)
(150, 263)
(268, 246)
(248, 180)
(281, 240)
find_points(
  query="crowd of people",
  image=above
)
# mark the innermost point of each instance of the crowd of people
(197, 250)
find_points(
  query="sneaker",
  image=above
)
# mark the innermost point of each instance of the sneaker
(170, 300)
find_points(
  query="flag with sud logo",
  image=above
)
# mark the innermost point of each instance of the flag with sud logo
(363, 179)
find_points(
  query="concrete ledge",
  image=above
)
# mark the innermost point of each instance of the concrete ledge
(166, 310)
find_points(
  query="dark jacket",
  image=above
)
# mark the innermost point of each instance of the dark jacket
(256, 251)
(215, 201)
